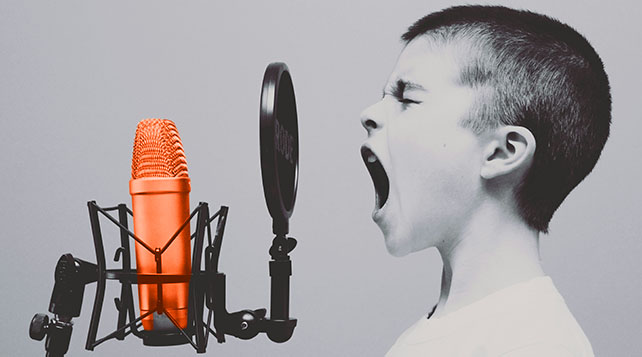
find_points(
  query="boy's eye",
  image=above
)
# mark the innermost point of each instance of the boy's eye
(407, 101)
(399, 97)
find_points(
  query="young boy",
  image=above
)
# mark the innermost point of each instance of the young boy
(489, 119)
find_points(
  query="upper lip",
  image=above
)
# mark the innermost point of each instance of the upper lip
(377, 173)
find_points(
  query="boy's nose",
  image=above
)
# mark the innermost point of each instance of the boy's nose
(370, 120)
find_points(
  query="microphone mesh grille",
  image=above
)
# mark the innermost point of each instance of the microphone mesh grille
(158, 151)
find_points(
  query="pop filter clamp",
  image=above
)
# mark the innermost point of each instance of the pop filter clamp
(279, 165)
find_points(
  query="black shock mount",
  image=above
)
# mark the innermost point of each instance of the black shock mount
(206, 290)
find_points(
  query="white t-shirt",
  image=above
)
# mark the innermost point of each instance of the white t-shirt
(529, 319)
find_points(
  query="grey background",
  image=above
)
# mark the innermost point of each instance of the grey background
(77, 76)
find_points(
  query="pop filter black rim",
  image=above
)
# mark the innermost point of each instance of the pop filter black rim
(279, 140)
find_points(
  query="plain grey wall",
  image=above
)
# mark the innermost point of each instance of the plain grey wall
(77, 76)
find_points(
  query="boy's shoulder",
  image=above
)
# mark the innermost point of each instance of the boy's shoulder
(522, 320)
(533, 317)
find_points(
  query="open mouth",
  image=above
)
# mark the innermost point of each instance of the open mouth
(378, 174)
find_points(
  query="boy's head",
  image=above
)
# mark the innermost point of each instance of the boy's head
(531, 104)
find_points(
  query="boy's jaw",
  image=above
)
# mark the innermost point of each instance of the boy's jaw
(383, 213)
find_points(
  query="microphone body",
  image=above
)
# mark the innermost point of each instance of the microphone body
(160, 207)
(160, 190)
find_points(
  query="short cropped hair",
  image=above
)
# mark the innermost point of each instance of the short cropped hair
(533, 71)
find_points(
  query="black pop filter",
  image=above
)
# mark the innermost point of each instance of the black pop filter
(279, 140)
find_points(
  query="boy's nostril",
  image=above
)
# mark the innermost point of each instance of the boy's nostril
(370, 124)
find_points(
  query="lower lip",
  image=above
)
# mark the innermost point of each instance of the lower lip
(377, 213)
(381, 217)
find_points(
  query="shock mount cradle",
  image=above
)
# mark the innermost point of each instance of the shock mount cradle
(206, 290)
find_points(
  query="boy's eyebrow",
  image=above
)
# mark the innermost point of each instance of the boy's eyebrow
(402, 85)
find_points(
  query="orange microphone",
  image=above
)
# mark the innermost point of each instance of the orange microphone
(160, 190)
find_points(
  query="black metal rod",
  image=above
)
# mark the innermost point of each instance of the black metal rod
(171, 318)
(115, 333)
(125, 289)
(159, 286)
(178, 231)
(209, 322)
(128, 298)
(208, 225)
(107, 209)
(216, 214)
(100, 287)
(212, 332)
(219, 304)
(198, 291)
(130, 233)
(209, 232)
(124, 238)
(218, 239)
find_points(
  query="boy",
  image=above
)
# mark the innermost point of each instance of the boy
(489, 119)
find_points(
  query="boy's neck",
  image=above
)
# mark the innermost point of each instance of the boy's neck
(495, 250)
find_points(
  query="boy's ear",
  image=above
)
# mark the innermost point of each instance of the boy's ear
(509, 150)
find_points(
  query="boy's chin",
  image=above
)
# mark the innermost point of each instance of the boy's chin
(401, 242)
(397, 245)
